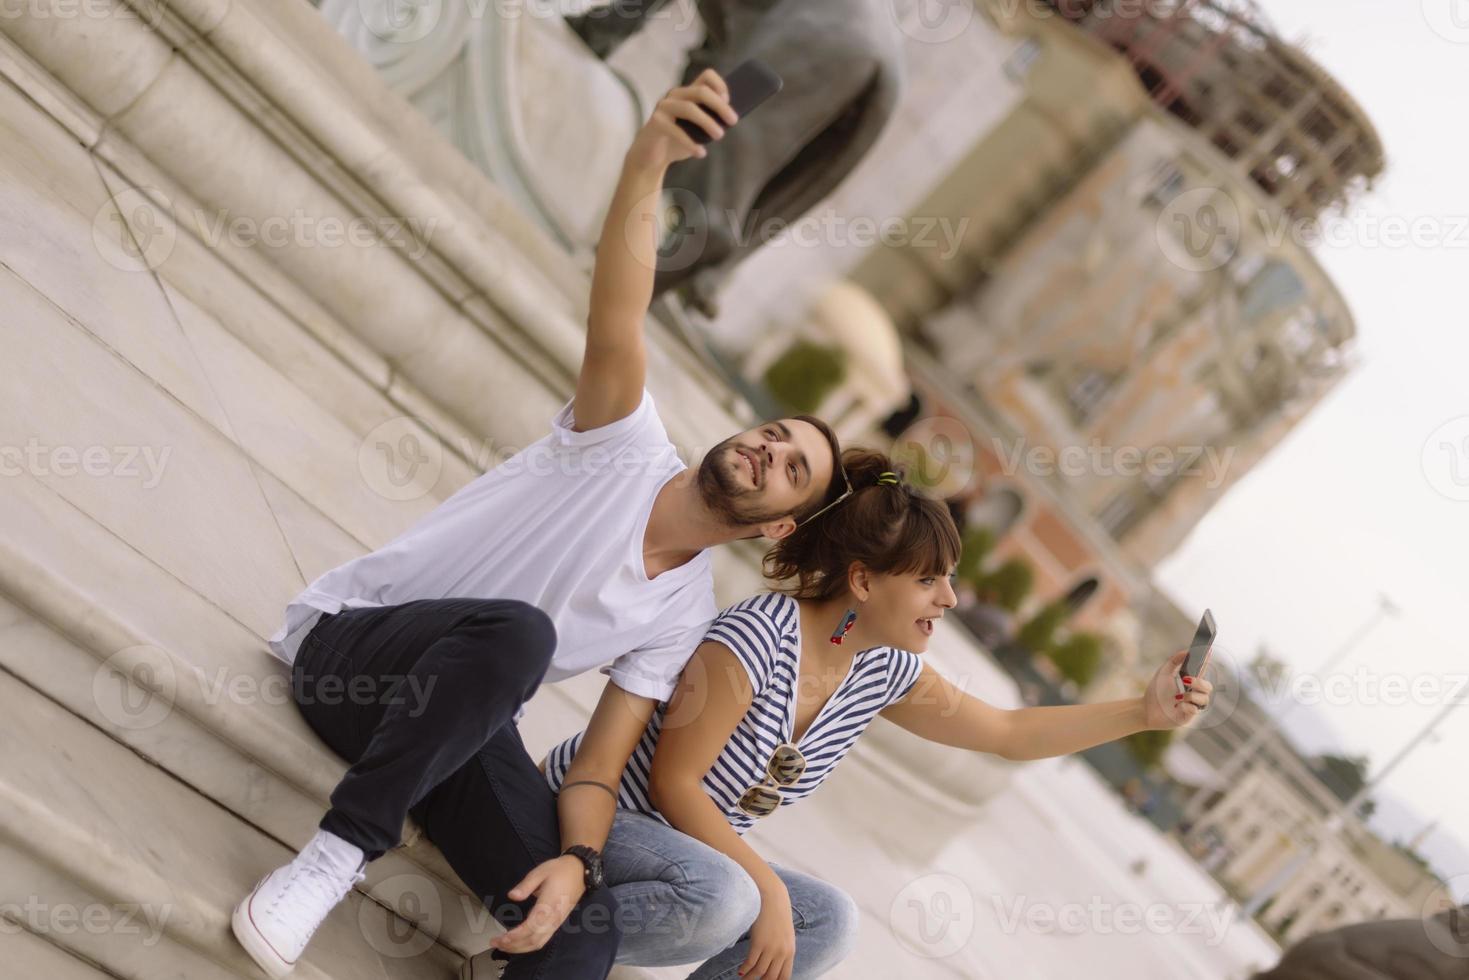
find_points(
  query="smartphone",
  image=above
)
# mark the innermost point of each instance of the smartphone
(750, 83)
(1198, 653)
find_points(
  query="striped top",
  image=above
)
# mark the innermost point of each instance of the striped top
(763, 632)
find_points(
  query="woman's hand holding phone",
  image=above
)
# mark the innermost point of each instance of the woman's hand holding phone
(662, 141)
(1163, 706)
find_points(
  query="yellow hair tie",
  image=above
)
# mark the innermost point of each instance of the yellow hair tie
(887, 479)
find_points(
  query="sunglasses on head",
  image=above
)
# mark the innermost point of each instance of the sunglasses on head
(845, 494)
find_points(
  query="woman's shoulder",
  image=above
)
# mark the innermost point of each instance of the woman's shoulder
(757, 629)
(899, 668)
(891, 658)
(768, 608)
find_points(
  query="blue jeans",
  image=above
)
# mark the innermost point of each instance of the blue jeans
(681, 901)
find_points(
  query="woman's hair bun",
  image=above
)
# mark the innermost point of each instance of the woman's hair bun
(889, 529)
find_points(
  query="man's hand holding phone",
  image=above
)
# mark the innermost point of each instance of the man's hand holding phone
(662, 142)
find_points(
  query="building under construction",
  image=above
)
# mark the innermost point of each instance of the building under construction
(1218, 66)
(1130, 283)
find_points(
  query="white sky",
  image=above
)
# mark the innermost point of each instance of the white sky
(1347, 507)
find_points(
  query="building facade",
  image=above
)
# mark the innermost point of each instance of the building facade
(1134, 320)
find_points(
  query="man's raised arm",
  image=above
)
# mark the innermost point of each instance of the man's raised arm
(614, 367)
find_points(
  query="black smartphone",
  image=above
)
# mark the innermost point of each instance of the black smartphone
(1198, 652)
(750, 83)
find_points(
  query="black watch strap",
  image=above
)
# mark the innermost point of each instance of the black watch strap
(591, 860)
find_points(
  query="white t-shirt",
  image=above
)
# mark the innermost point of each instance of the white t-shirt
(558, 525)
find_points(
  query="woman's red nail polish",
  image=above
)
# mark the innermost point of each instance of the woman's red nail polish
(1188, 680)
(1178, 697)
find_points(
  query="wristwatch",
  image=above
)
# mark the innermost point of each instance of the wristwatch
(593, 862)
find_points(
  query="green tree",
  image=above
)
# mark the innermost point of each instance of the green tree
(1412, 855)
(1344, 776)
(1006, 586)
(1147, 747)
(805, 374)
(976, 544)
(1037, 635)
(1268, 670)
(1078, 657)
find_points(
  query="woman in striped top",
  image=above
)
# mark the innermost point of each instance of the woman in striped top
(764, 635)
(772, 700)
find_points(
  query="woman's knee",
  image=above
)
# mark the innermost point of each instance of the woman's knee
(723, 902)
(829, 919)
(848, 925)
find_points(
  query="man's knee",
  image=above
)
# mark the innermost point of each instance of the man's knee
(520, 633)
(586, 944)
(531, 632)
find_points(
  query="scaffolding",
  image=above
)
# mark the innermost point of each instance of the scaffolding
(1218, 66)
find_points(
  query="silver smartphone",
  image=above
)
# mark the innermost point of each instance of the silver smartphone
(1198, 653)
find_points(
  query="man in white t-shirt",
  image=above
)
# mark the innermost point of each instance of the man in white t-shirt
(586, 550)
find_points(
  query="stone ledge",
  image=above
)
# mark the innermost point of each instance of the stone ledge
(198, 133)
(96, 822)
(31, 956)
(153, 153)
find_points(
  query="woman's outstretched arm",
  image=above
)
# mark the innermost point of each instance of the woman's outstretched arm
(937, 710)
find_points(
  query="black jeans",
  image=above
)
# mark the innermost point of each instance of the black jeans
(420, 698)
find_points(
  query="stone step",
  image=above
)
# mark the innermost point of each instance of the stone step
(128, 835)
(28, 955)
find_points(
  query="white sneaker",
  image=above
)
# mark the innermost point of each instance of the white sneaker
(276, 920)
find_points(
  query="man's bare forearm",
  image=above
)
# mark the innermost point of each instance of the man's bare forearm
(627, 258)
(1051, 730)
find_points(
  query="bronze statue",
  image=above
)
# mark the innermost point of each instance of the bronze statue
(1432, 948)
(842, 63)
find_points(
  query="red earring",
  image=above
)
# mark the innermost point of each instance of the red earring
(846, 625)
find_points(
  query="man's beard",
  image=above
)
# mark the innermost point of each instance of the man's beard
(722, 492)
